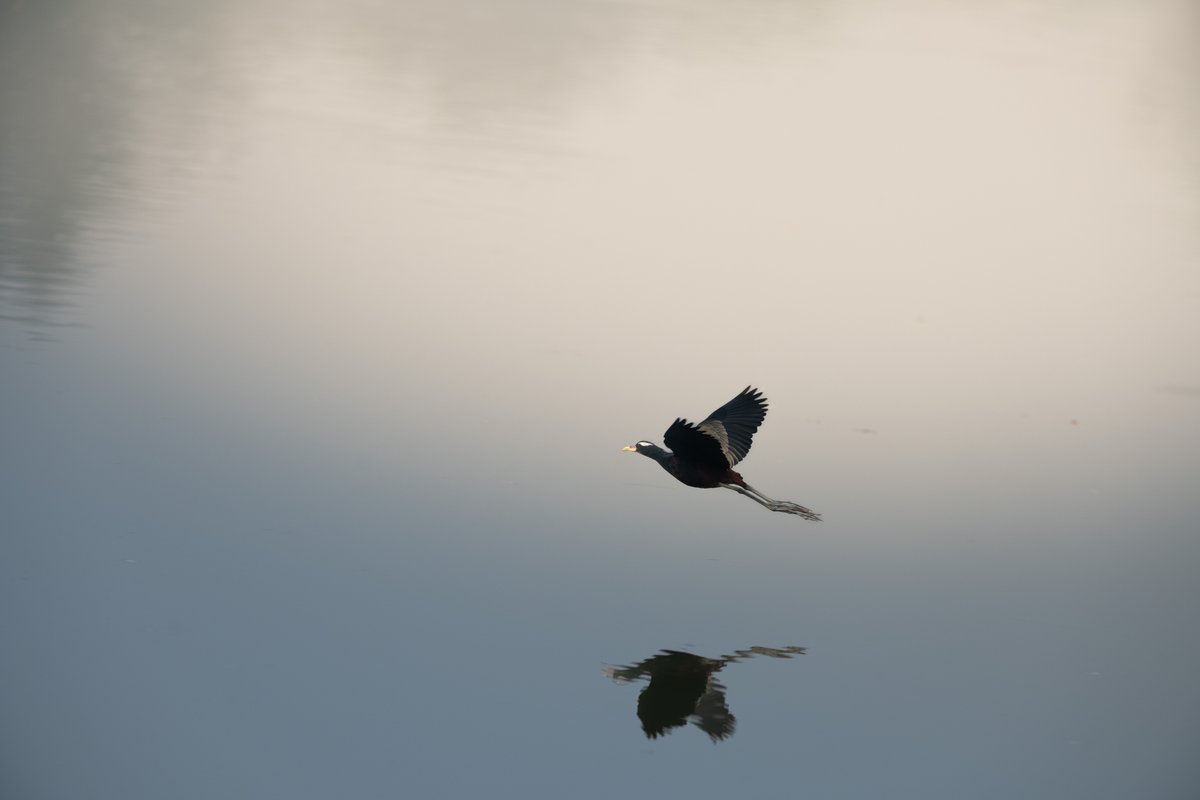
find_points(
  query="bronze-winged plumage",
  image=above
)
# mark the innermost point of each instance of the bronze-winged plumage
(703, 454)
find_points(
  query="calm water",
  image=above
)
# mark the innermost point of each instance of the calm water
(322, 327)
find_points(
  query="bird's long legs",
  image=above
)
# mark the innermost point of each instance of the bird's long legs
(784, 506)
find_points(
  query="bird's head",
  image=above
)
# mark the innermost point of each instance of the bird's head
(648, 449)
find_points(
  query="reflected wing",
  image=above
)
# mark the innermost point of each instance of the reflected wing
(712, 714)
(724, 438)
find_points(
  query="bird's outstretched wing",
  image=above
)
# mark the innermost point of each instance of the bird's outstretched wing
(724, 438)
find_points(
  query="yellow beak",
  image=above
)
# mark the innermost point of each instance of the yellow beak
(628, 449)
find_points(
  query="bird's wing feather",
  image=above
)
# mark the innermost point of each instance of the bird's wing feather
(725, 436)
(689, 443)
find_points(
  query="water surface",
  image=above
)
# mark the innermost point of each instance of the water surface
(322, 327)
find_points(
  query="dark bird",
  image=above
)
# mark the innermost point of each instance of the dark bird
(683, 687)
(703, 455)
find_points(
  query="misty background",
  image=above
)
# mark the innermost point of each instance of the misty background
(322, 327)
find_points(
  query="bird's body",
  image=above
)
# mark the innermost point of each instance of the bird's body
(703, 454)
(690, 473)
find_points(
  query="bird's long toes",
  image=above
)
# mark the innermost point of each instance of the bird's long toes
(799, 510)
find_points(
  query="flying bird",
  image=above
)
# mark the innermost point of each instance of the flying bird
(704, 454)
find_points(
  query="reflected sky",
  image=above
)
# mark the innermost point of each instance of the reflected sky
(322, 327)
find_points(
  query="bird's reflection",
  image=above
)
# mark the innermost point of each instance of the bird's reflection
(683, 686)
